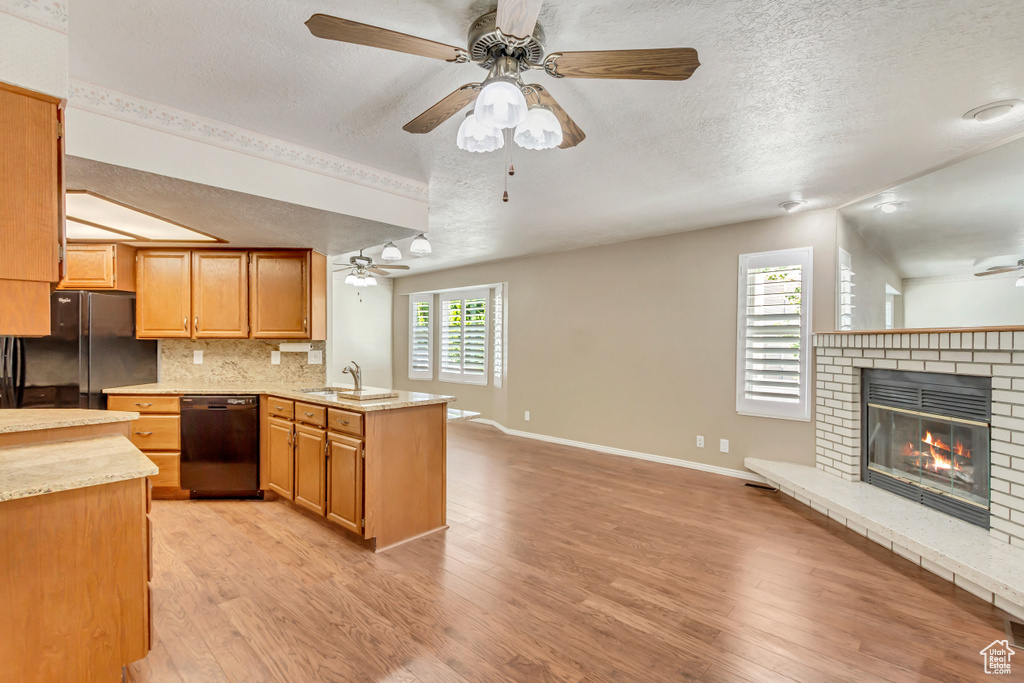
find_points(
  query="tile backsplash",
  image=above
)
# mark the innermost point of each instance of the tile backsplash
(238, 360)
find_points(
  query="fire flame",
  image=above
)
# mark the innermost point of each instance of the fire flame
(940, 461)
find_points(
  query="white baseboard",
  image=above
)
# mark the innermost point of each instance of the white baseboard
(676, 462)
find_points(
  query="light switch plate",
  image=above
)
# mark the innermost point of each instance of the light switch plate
(723, 445)
(275, 357)
(316, 357)
(197, 357)
(700, 442)
(526, 415)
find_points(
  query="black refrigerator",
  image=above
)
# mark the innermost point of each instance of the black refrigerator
(91, 347)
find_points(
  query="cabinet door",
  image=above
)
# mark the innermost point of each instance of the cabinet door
(220, 295)
(279, 295)
(310, 468)
(281, 456)
(345, 482)
(31, 192)
(90, 266)
(163, 301)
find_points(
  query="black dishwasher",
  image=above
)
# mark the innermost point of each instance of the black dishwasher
(220, 446)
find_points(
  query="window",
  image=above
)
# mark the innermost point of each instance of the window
(845, 290)
(421, 336)
(890, 306)
(463, 323)
(773, 349)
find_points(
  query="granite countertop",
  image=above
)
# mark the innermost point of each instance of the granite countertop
(405, 399)
(37, 469)
(33, 419)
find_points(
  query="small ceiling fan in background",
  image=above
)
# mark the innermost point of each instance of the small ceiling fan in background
(363, 268)
(998, 270)
(509, 42)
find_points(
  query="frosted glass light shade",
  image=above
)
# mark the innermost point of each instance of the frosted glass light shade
(540, 130)
(473, 136)
(369, 281)
(351, 279)
(1020, 281)
(500, 105)
(420, 246)
(391, 253)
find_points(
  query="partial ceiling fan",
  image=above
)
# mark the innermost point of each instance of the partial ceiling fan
(508, 42)
(999, 270)
(362, 269)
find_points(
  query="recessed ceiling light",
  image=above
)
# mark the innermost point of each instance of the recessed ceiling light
(792, 205)
(992, 111)
(888, 207)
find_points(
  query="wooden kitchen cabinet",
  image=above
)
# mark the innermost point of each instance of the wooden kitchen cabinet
(345, 482)
(288, 295)
(31, 208)
(310, 468)
(220, 294)
(280, 456)
(157, 433)
(163, 305)
(99, 267)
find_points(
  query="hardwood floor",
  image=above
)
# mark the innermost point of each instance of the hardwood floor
(560, 565)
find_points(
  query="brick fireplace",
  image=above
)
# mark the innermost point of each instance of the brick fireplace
(995, 354)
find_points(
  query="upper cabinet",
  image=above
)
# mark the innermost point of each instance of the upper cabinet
(31, 208)
(220, 294)
(100, 267)
(163, 305)
(231, 294)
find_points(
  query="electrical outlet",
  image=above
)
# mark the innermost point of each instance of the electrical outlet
(315, 357)
(275, 357)
(723, 445)
(700, 442)
(526, 415)
(197, 357)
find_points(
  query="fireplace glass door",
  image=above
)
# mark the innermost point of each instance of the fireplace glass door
(946, 455)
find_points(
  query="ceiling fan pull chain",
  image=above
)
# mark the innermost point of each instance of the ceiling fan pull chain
(508, 161)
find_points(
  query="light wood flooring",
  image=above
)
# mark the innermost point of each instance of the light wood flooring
(560, 565)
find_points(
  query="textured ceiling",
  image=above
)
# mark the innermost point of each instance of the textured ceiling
(954, 221)
(817, 99)
(244, 220)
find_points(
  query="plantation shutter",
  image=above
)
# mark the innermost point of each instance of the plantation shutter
(773, 351)
(464, 336)
(421, 336)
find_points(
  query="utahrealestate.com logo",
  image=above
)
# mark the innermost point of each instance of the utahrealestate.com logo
(997, 657)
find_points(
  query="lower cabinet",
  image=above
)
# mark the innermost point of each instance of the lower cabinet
(157, 433)
(345, 482)
(311, 468)
(280, 456)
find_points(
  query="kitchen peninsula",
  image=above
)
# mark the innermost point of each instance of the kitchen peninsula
(73, 495)
(375, 467)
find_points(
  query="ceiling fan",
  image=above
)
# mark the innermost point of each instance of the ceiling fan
(998, 270)
(362, 267)
(508, 42)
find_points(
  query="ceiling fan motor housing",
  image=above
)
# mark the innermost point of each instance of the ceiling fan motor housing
(486, 43)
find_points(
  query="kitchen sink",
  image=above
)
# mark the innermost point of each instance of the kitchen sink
(348, 394)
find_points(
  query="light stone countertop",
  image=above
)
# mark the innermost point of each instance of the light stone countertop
(954, 545)
(456, 415)
(405, 399)
(33, 419)
(37, 469)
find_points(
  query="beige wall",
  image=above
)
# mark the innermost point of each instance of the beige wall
(871, 273)
(633, 345)
(963, 301)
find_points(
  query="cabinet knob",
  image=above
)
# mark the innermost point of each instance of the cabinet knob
(308, 414)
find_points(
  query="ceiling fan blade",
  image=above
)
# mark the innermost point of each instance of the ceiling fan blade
(389, 267)
(334, 28)
(378, 271)
(998, 270)
(517, 18)
(572, 134)
(443, 110)
(670, 64)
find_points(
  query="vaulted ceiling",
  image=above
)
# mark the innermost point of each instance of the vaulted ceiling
(815, 99)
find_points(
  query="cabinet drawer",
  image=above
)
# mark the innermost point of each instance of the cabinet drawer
(144, 404)
(311, 415)
(281, 408)
(170, 469)
(345, 421)
(157, 433)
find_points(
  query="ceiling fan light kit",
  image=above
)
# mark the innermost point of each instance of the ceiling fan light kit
(420, 246)
(362, 268)
(391, 253)
(508, 42)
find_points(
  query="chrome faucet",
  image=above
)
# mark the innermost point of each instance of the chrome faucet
(357, 374)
